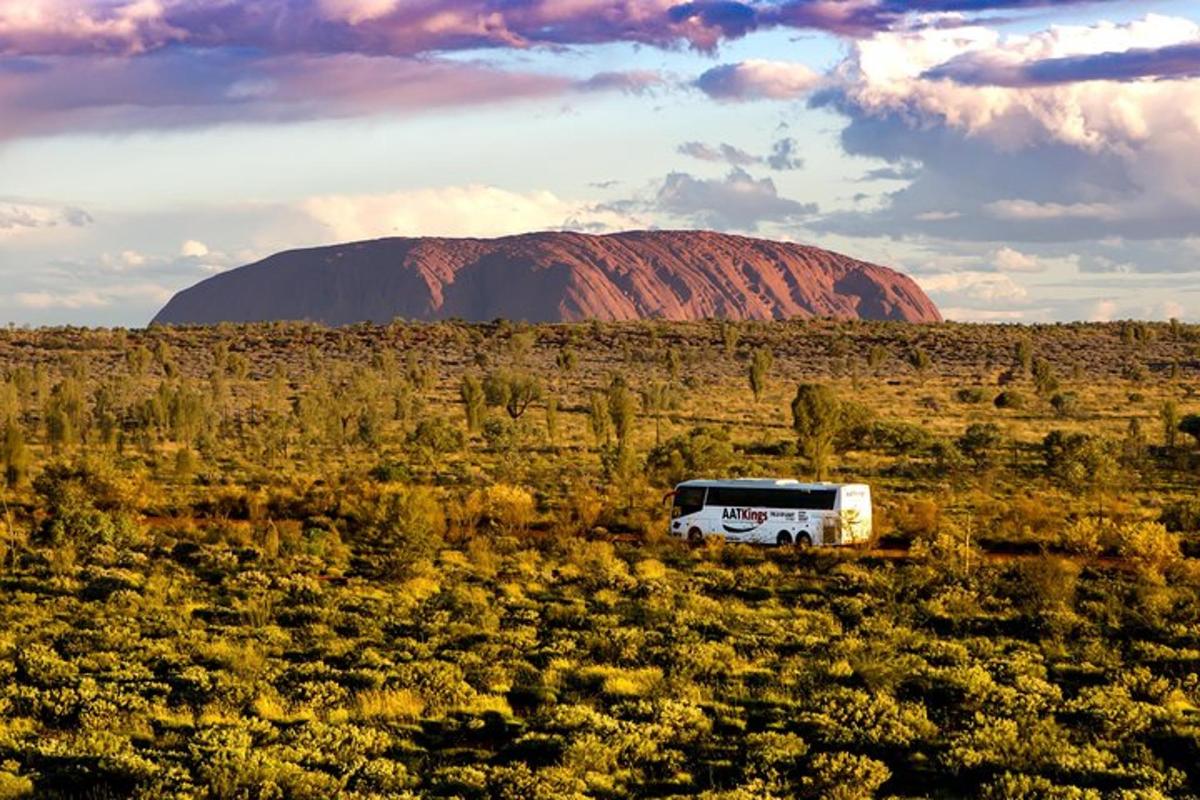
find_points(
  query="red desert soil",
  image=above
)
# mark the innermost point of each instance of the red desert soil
(547, 277)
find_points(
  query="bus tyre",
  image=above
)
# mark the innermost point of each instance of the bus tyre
(784, 538)
(695, 536)
(803, 540)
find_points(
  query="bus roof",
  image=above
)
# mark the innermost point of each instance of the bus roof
(766, 483)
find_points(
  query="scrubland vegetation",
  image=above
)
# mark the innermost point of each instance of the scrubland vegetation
(287, 561)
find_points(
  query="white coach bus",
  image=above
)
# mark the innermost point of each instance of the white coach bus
(769, 511)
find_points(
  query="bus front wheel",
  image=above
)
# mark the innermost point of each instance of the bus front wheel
(695, 536)
(803, 540)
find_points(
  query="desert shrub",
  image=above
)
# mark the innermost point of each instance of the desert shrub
(971, 394)
(1181, 516)
(436, 435)
(1190, 424)
(1149, 546)
(1065, 404)
(1009, 398)
(844, 776)
(85, 506)
(894, 436)
(1085, 536)
(701, 452)
(980, 441)
(509, 507)
(1079, 461)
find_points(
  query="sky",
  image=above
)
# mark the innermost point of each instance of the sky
(1023, 160)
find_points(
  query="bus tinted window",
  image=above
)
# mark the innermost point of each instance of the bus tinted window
(802, 499)
(688, 500)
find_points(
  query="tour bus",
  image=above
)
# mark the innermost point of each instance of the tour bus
(770, 511)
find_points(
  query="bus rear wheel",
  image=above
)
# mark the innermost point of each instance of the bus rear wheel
(803, 540)
(783, 539)
(695, 536)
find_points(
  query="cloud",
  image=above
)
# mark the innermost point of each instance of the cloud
(474, 210)
(757, 79)
(17, 216)
(782, 155)
(1006, 259)
(1135, 63)
(78, 299)
(737, 201)
(422, 27)
(180, 89)
(1044, 163)
(629, 82)
(990, 287)
(193, 249)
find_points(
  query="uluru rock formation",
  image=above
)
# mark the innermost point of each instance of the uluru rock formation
(543, 277)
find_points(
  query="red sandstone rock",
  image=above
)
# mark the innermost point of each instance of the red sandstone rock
(554, 277)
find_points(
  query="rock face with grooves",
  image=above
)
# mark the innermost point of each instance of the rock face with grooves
(547, 277)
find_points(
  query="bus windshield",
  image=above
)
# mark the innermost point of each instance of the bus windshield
(688, 500)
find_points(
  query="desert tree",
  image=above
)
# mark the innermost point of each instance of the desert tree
(1045, 383)
(919, 360)
(1023, 355)
(730, 334)
(474, 401)
(1168, 415)
(817, 421)
(657, 398)
(14, 456)
(599, 418)
(760, 367)
(622, 410)
(565, 359)
(513, 390)
(877, 356)
(552, 420)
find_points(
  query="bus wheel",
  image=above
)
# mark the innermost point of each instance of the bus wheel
(784, 538)
(695, 536)
(803, 540)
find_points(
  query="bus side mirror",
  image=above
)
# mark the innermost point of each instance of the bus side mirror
(667, 498)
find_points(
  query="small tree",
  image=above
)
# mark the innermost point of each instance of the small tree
(512, 390)
(622, 410)
(599, 420)
(920, 360)
(760, 365)
(14, 456)
(817, 420)
(552, 420)
(877, 356)
(1023, 355)
(729, 336)
(657, 398)
(474, 401)
(1169, 415)
(1045, 383)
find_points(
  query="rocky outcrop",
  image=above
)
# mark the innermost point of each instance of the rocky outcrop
(542, 277)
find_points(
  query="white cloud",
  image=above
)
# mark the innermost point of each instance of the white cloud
(1072, 161)
(193, 249)
(758, 79)
(971, 285)
(1006, 259)
(474, 210)
(1029, 210)
(17, 217)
